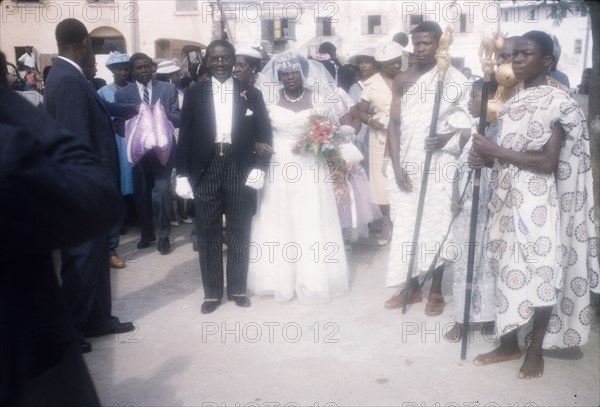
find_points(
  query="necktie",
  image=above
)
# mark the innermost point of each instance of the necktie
(146, 95)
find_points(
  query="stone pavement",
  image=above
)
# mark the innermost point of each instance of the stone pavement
(349, 352)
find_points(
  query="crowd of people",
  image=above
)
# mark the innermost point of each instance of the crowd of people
(288, 161)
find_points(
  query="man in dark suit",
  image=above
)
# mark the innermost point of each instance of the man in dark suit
(221, 121)
(74, 103)
(54, 191)
(151, 179)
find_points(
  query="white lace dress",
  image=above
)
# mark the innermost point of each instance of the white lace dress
(297, 247)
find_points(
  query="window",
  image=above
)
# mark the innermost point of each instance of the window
(186, 5)
(267, 30)
(374, 24)
(531, 14)
(324, 26)
(463, 23)
(577, 46)
(280, 29)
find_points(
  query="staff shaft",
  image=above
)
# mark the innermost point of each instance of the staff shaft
(473, 227)
(422, 192)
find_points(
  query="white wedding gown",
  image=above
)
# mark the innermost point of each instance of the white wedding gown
(297, 247)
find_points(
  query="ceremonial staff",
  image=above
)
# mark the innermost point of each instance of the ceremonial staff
(488, 54)
(443, 63)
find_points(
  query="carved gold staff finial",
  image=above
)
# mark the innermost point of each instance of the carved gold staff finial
(442, 55)
(488, 54)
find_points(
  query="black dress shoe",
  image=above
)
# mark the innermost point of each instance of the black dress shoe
(143, 244)
(209, 306)
(164, 246)
(120, 328)
(240, 300)
(85, 347)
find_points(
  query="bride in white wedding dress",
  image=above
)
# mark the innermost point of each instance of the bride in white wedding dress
(297, 247)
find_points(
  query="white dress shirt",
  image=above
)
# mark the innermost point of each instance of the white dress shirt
(223, 95)
(141, 91)
(28, 60)
(74, 64)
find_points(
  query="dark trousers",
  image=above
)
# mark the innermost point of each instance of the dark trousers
(40, 356)
(68, 383)
(221, 190)
(114, 240)
(153, 198)
(85, 275)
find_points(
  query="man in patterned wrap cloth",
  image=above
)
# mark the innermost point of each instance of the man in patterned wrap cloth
(542, 215)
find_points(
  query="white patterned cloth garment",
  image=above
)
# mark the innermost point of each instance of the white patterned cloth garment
(415, 118)
(542, 225)
(456, 250)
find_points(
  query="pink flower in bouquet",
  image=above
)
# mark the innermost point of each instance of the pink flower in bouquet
(322, 138)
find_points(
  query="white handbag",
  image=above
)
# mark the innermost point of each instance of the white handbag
(351, 154)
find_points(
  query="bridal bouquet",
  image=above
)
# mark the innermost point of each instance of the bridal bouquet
(322, 137)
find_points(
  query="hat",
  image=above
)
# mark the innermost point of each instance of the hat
(167, 67)
(365, 52)
(248, 52)
(387, 51)
(115, 57)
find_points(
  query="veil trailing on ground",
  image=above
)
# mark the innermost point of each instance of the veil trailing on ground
(315, 77)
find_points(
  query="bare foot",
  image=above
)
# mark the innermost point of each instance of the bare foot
(500, 354)
(533, 366)
(455, 333)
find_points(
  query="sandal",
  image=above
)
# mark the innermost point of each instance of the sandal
(435, 305)
(397, 300)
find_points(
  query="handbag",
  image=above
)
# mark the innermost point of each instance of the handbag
(351, 154)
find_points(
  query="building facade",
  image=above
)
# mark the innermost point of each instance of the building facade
(162, 28)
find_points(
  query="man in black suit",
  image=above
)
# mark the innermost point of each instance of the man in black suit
(54, 192)
(151, 179)
(221, 121)
(74, 103)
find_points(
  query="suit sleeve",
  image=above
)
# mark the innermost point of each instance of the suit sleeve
(173, 111)
(123, 110)
(264, 131)
(186, 127)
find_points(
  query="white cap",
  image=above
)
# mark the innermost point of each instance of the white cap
(167, 67)
(248, 52)
(387, 51)
(365, 52)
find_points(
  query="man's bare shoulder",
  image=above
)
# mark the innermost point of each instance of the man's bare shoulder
(405, 79)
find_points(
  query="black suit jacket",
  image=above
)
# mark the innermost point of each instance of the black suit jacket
(166, 93)
(72, 101)
(53, 192)
(197, 135)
